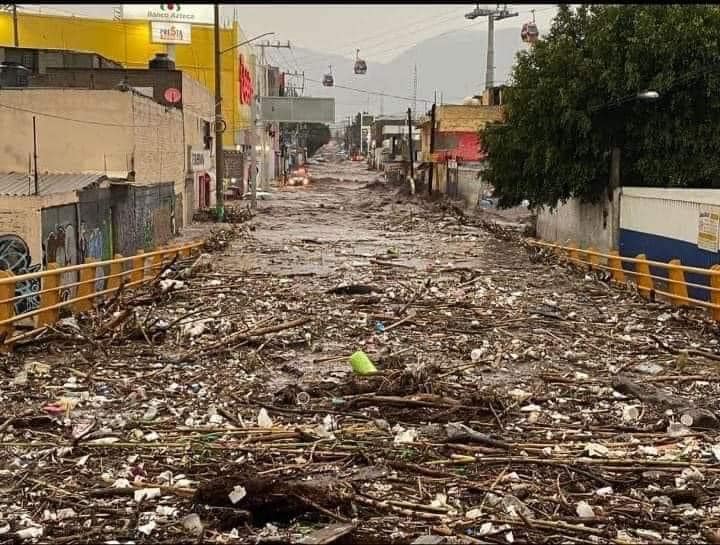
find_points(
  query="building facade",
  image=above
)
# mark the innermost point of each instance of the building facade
(124, 136)
(455, 158)
(130, 44)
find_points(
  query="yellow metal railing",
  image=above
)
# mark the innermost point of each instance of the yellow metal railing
(647, 282)
(52, 286)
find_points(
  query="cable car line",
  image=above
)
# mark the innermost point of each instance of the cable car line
(407, 26)
(377, 93)
(377, 44)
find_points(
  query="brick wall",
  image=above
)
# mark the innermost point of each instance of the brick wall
(159, 150)
(466, 118)
(106, 78)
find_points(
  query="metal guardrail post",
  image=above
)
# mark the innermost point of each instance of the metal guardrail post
(677, 284)
(615, 263)
(157, 261)
(644, 281)
(593, 259)
(574, 254)
(50, 298)
(138, 265)
(86, 288)
(116, 269)
(7, 310)
(715, 295)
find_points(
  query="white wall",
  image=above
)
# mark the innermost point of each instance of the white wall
(666, 212)
(590, 225)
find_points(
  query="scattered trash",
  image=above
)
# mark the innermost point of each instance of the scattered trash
(361, 364)
(403, 436)
(630, 413)
(589, 419)
(170, 285)
(263, 419)
(238, 493)
(584, 511)
(193, 524)
(30, 533)
(596, 450)
(143, 494)
(147, 528)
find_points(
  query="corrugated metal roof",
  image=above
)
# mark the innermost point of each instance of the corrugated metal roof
(20, 184)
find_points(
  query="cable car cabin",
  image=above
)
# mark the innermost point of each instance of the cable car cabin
(529, 33)
(360, 65)
(328, 80)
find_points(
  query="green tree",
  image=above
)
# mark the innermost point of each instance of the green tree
(318, 135)
(572, 99)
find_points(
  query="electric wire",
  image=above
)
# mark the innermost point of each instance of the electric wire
(64, 118)
(415, 41)
(368, 92)
(435, 22)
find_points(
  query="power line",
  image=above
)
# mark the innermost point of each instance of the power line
(376, 93)
(415, 40)
(376, 45)
(83, 121)
(404, 25)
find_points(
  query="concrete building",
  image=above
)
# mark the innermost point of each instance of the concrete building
(69, 218)
(129, 139)
(173, 89)
(388, 140)
(130, 43)
(455, 162)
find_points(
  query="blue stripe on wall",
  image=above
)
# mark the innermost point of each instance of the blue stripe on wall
(657, 248)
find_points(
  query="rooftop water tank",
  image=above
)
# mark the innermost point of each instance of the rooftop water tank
(161, 62)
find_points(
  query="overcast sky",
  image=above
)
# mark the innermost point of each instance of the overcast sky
(381, 32)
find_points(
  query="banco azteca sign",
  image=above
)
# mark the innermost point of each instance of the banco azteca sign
(201, 14)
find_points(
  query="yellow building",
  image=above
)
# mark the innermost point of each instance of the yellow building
(128, 42)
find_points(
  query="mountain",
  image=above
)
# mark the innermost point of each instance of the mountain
(451, 64)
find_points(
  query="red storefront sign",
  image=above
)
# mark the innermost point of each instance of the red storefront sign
(245, 82)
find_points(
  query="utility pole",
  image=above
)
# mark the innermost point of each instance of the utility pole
(415, 90)
(219, 164)
(16, 38)
(410, 147)
(37, 189)
(497, 14)
(13, 9)
(432, 148)
(257, 115)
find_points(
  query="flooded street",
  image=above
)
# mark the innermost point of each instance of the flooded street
(515, 399)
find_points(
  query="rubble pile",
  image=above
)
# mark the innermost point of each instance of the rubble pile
(360, 369)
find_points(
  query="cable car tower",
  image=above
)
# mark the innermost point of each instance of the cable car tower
(497, 14)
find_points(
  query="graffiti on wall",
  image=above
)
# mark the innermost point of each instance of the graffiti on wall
(147, 215)
(90, 242)
(91, 245)
(15, 257)
(60, 247)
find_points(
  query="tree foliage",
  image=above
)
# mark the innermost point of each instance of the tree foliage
(572, 98)
(317, 136)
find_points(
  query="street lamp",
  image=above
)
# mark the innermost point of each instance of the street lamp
(219, 124)
(644, 96)
(648, 95)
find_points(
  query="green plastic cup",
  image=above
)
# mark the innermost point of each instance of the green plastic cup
(361, 364)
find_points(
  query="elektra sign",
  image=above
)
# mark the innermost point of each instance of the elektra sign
(181, 13)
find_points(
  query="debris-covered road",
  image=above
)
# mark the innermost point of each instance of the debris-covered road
(515, 400)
